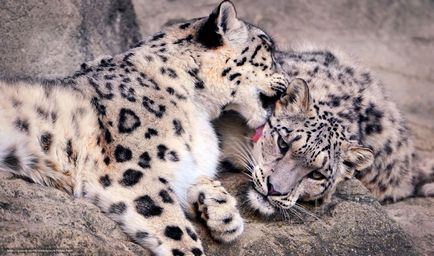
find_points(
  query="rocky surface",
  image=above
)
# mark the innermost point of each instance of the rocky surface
(52, 38)
(416, 215)
(34, 217)
(394, 38)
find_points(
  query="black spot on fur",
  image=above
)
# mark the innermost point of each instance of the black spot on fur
(122, 154)
(162, 180)
(158, 37)
(131, 177)
(141, 234)
(105, 181)
(177, 252)
(109, 77)
(173, 156)
(226, 71)
(145, 160)
(198, 83)
(107, 160)
(245, 50)
(373, 118)
(220, 201)
(128, 121)
(177, 126)
(231, 231)
(22, 125)
(151, 106)
(233, 76)
(165, 196)
(196, 251)
(53, 116)
(173, 232)
(118, 208)
(42, 113)
(191, 233)
(201, 198)
(32, 162)
(169, 72)
(162, 58)
(98, 106)
(69, 150)
(45, 141)
(170, 90)
(242, 61)
(103, 95)
(227, 220)
(108, 136)
(147, 207)
(162, 151)
(127, 92)
(185, 39)
(387, 148)
(335, 101)
(11, 160)
(128, 56)
(151, 132)
(349, 164)
(255, 52)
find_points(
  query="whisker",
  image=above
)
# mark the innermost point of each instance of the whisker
(297, 214)
(244, 152)
(305, 211)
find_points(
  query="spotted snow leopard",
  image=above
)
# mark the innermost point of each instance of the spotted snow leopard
(132, 132)
(334, 122)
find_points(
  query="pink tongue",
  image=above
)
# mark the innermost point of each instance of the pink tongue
(258, 134)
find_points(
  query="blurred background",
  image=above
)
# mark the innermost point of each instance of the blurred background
(395, 39)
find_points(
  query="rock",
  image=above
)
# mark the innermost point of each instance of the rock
(33, 217)
(51, 38)
(416, 215)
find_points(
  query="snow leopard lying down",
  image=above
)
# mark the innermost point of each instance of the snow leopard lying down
(132, 133)
(334, 122)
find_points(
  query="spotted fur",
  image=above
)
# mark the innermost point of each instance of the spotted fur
(334, 122)
(132, 132)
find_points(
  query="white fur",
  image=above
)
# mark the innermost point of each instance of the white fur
(202, 161)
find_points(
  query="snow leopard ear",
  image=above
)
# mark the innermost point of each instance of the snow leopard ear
(358, 157)
(222, 25)
(297, 97)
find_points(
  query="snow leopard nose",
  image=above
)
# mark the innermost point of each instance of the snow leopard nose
(271, 190)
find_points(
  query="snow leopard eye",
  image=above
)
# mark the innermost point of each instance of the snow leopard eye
(283, 146)
(316, 175)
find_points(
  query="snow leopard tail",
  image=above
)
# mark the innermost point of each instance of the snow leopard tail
(17, 157)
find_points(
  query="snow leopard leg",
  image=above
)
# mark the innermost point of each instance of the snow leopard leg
(148, 212)
(217, 208)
